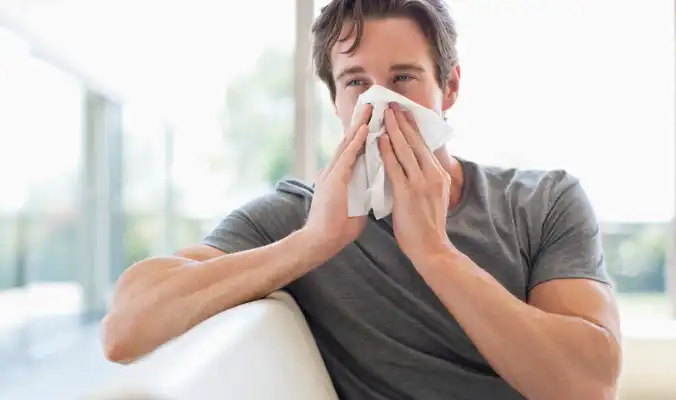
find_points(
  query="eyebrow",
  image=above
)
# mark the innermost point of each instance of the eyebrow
(396, 67)
(407, 67)
(350, 71)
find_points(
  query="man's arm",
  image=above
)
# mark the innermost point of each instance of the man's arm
(565, 344)
(163, 297)
(160, 298)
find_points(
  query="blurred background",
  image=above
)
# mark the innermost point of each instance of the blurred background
(129, 128)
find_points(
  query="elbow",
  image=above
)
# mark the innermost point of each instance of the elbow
(611, 369)
(593, 380)
(601, 381)
(608, 388)
(117, 343)
(601, 386)
(579, 388)
(594, 391)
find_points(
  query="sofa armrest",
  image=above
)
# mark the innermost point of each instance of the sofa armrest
(259, 350)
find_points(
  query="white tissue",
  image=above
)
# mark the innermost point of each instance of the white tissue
(369, 188)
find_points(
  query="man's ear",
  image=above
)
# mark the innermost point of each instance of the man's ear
(452, 89)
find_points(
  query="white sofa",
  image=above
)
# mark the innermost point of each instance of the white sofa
(264, 350)
(260, 350)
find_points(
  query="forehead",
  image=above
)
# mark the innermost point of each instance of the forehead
(384, 41)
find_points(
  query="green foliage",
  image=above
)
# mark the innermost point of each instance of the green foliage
(636, 256)
(258, 118)
(7, 251)
(137, 244)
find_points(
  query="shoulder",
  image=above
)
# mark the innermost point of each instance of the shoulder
(278, 212)
(551, 218)
(294, 191)
(540, 205)
(264, 219)
(533, 189)
(289, 201)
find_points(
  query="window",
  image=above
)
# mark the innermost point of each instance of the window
(40, 218)
(234, 141)
(585, 86)
(145, 179)
(206, 124)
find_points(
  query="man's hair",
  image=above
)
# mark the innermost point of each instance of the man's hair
(432, 17)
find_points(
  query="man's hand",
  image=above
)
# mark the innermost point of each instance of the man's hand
(420, 187)
(328, 224)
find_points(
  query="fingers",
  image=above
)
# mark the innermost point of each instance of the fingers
(402, 149)
(365, 116)
(349, 135)
(414, 125)
(429, 162)
(412, 135)
(392, 166)
(345, 163)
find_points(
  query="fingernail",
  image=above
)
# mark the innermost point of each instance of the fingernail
(394, 106)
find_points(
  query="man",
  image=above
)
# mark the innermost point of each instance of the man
(484, 283)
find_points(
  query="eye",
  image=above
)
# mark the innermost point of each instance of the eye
(403, 78)
(355, 82)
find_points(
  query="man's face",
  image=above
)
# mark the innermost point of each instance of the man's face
(393, 53)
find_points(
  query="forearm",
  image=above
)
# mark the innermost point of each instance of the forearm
(155, 303)
(542, 355)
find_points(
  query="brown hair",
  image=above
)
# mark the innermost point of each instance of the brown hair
(432, 16)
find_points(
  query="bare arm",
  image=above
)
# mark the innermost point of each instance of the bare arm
(565, 344)
(160, 298)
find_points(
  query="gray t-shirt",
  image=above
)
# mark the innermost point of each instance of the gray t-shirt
(381, 330)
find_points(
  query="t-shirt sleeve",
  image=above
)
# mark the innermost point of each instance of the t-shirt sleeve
(258, 223)
(570, 245)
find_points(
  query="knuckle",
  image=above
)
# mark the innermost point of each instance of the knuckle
(443, 179)
(436, 178)
(439, 186)
(435, 183)
(446, 178)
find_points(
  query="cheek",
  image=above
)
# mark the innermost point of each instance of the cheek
(344, 109)
(427, 97)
